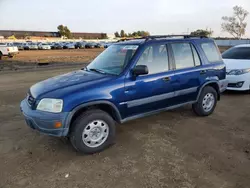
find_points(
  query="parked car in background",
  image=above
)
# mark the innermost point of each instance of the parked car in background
(107, 44)
(90, 45)
(33, 46)
(57, 46)
(129, 80)
(99, 45)
(79, 45)
(44, 46)
(26, 46)
(8, 50)
(50, 43)
(9, 44)
(19, 45)
(237, 60)
(53, 45)
(69, 45)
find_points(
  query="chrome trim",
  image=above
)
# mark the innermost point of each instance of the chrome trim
(155, 98)
(147, 100)
(185, 91)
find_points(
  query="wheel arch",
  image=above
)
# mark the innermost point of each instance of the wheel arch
(106, 106)
(213, 84)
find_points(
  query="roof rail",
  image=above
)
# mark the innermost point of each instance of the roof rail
(172, 36)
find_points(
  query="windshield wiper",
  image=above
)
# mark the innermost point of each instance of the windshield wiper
(98, 70)
(85, 68)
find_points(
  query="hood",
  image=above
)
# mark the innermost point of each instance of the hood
(67, 80)
(236, 64)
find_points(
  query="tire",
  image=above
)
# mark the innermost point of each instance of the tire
(207, 102)
(1, 55)
(92, 132)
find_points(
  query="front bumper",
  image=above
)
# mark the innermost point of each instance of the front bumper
(234, 80)
(44, 121)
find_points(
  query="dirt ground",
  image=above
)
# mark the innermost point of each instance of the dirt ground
(172, 149)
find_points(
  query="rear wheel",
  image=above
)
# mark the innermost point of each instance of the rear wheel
(93, 132)
(207, 102)
(1, 55)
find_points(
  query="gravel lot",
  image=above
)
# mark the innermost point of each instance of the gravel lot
(171, 149)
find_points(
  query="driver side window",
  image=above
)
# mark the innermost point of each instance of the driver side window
(155, 57)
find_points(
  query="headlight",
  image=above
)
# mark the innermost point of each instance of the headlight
(239, 71)
(50, 105)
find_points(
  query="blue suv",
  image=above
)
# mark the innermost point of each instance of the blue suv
(129, 80)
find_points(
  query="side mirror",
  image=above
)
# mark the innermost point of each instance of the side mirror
(140, 70)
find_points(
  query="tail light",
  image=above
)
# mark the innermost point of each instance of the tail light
(8, 49)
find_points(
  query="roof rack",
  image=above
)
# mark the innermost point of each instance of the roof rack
(172, 36)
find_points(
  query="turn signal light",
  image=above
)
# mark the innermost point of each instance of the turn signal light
(58, 124)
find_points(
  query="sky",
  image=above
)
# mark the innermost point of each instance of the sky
(155, 16)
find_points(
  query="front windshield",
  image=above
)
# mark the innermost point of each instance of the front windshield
(237, 53)
(114, 59)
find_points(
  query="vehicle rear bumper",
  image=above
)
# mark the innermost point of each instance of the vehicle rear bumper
(44, 122)
(223, 85)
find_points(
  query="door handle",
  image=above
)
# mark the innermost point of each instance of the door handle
(166, 79)
(203, 71)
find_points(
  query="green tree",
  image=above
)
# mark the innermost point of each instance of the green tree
(64, 31)
(145, 33)
(139, 33)
(130, 35)
(117, 35)
(236, 24)
(134, 34)
(202, 32)
(122, 33)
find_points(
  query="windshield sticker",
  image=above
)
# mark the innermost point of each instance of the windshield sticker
(130, 47)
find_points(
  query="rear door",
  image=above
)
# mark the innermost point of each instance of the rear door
(189, 73)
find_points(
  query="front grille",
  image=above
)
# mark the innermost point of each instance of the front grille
(30, 99)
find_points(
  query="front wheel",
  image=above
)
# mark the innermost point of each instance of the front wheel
(207, 102)
(92, 132)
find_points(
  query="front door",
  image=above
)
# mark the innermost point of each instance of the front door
(147, 93)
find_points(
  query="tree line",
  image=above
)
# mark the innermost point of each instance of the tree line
(133, 34)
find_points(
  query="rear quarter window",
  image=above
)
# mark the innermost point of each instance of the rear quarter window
(211, 51)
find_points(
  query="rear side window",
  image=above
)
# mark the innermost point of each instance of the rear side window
(211, 52)
(237, 53)
(183, 55)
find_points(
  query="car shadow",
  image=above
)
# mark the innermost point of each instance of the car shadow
(235, 93)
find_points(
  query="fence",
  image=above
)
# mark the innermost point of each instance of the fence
(231, 42)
